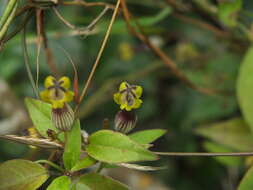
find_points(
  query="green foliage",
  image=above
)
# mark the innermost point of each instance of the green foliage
(147, 136)
(72, 148)
(21, 175)
(247, 182)
(98, 182)
(244, 87)
(83, 163)
(7, 17)
(60, 183)
(113, 147)
(204, 39)
(149, 21)
(119, 25)
(228, 12)
(228, 161)
(233, 133)
(40, 113)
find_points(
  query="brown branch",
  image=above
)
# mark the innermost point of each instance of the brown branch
(158, 52)
(39, 15)
(86, 4)
(39, 142)
(204, 154)
(43, 36)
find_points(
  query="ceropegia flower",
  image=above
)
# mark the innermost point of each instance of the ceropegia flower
(128, 96)
(125, 121)
(58, 94)
(57, 91)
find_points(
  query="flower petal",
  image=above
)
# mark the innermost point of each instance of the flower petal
(57, 104)
(44, 95)
(123, 86)
(68, 96)
(65, 82)
(128, 108)
(137, 103)
(117, 97)
(123, 106)
(49, 81)
(138, 91)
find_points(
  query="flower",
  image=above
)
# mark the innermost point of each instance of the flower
(63, 118)
(128, 96)
(125, 121)
(56, 92)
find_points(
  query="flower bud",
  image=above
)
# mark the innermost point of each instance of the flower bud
(125, 121)
(63, 118)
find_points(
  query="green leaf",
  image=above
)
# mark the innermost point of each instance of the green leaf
(244, 87)
(233, 133)
(84, 163)
(80, 186)
(228, 161)
(21, 175)
(40, 113)
(148, 21)
(247, 181)
(228, 12)
(152, 20)
(98, 182)
(72, 149)
(113, 147)
(147, 136)
(60, 183)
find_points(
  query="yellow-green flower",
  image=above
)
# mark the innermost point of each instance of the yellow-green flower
(128, 96)
(57, 91)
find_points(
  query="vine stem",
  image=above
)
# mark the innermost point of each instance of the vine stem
(27, 64)
(86, 4)
(7, 18)
(189, 154)
(101, 50)
(51, 164)
(8, 11)
(100, 167)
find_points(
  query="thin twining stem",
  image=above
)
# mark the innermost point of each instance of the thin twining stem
(51, 164)
(80, 30)
(189, 154)
(39, 23)
(68, 24)
(87, 4)
(75, 86)
(87, 84)
(27, 64)
(94, 22)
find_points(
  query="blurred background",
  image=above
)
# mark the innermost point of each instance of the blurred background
(206, 39)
